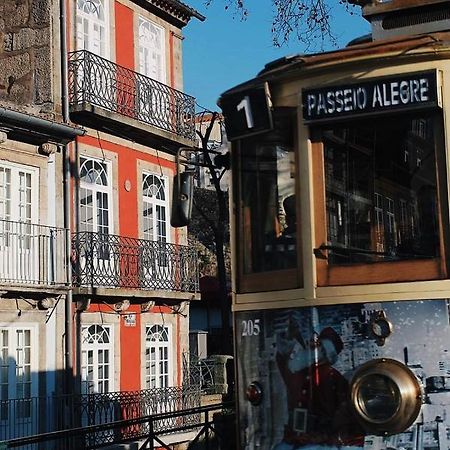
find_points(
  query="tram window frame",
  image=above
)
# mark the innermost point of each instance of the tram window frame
(380, 271)
(267, 280)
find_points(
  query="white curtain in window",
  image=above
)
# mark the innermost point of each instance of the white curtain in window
(152, 50)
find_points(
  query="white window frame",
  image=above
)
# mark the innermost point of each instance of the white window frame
(379, 221)
(160, 378)
(97, 188)
(97, 348)
(92, 20)
(155, 203)
(19, 202)
(15, 201)
(148, 51)
(390, 214)
(22, 416)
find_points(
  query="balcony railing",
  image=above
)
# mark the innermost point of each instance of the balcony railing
(112, 261)
(209, 375)
(32, 254)
(99, 82)
(34, 415)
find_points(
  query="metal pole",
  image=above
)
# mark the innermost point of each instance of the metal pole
(64, 66)
(152, 447)
(68, 326)
(207, 430)
(68, 342)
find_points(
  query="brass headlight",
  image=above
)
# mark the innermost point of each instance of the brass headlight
(386, 396)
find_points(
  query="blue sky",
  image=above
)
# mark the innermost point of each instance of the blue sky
(224, 51)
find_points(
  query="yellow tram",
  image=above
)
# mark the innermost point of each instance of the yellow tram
(341, 240)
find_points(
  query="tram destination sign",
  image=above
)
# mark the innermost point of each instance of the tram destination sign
(381, 95)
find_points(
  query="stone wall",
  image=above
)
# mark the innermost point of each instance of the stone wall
(26, 60)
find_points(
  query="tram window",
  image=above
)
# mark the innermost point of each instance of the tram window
(268, 211)
(381, 190)
(269, 216)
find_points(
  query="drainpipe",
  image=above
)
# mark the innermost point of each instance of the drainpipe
(68, 325)
(64, 66)
(79, 312)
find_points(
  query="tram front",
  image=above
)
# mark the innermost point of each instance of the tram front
(341, 242)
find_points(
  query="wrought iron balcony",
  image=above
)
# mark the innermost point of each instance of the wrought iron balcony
(32, 415)
(32, 254)
(94, 80)
(112, 261)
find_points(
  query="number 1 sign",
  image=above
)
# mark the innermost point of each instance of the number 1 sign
(247, 111)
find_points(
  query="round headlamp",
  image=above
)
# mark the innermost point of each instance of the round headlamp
(386, 396)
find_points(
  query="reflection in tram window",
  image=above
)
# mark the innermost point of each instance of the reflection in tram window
(381, 190)
(269, 207)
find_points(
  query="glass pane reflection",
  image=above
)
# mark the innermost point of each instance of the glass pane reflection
(381, 190)
(378, 397)
(268, 211)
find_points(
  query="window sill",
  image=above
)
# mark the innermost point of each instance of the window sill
(381, 272)
(270, 281)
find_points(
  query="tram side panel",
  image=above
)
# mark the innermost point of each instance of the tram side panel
(304, 361)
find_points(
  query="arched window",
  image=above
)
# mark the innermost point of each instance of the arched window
(92, 171)
(155, 207)
(158, 357)
(92, 26)
(95, 196)
(96, 359)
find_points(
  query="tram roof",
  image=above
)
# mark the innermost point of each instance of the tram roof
(289, 66)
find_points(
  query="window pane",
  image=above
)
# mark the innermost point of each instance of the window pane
(155, 224)
(96, 357)
(157, 355)
(90, 26)
(151, 50)
(381, 190)
(5, 193)
(268, 214)
(86, 210)
(4, 374)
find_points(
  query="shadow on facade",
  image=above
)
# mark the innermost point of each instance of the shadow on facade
(33, 403)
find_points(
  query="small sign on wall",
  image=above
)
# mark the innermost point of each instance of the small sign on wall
(129, 320)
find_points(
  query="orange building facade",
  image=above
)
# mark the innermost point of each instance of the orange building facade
(133, 274)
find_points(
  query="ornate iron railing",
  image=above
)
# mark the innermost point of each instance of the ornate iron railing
(32, 254)
(214, 427)
(101, 260)
(97, 409)
(97, 81)
(34, 415)
(205, 374)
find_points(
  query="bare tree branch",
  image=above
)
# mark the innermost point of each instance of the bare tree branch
(212, 209)
(308, 21)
